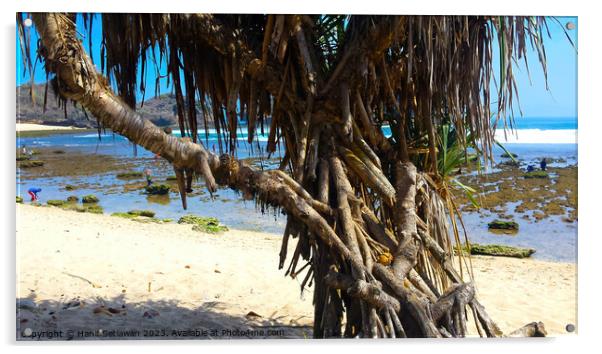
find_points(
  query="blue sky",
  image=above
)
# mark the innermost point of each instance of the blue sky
(561, 99)
(535, 101)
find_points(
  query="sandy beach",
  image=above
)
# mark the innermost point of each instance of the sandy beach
(85, 272)
(28, 127)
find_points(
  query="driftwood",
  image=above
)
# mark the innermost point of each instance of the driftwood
(368, 212)
(533, 329)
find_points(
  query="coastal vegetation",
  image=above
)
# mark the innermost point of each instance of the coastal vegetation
(324, 86)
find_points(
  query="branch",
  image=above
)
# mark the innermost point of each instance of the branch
(78, 80)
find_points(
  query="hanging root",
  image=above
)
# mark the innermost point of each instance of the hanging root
(181, 185)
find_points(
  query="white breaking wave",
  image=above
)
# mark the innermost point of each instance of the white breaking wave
(537, 136)
(94, 135)
(519, 136)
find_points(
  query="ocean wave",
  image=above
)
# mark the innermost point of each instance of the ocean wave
(537, 136)
(519, 136)
(94, 135)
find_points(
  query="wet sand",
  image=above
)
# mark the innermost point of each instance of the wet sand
(86, 272)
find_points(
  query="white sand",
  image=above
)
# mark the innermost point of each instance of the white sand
(201, 281)
(26, 127)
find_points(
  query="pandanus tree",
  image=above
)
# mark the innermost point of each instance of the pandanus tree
(372, 213)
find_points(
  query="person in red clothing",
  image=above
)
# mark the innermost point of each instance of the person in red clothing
(33, 193)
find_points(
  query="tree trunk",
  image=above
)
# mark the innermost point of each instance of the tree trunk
(378, 264)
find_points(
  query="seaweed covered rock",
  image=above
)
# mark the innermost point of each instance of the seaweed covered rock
(147, 213)
(69, 187)
(157, 189)
(23, 157)
(124, 215)
(144, 216)
(90, 198)
(509, 163)
(202, 224)
(129, 175)
(94, 209)
(31, 163)
(74, 207)
(501, 251)
(55, 202)
(72, 199)
(504, 226)
(19, 199)
(536, 174)
(508, 155)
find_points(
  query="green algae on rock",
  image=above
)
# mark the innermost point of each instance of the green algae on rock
(31, 163)
(124, 215)
(203, 224)
(503, 226)
(501, 251)
(144, 216)
(496, 250)
(159, 189)
(90, 198)
(19, 199)
(74, 207)
(546, 197)
(72, 199)
(55, 202)
(128, 175)
(95, 209)
(536, 174)
(147, 213)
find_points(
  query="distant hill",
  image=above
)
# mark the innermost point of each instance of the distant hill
(160, 110)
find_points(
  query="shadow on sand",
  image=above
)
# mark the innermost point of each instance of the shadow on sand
(114, 319)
